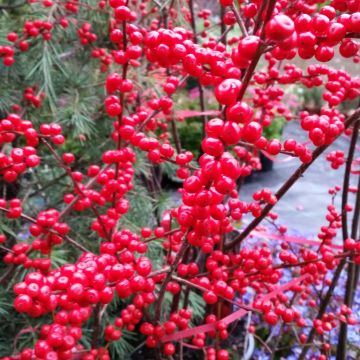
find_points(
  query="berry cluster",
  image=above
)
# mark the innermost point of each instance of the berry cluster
(32, 98)
(323, 128)
(336, 158)
(85, 34)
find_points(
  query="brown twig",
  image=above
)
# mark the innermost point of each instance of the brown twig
(224, 33)
(346, 181)
(144, 123)
(166, 234)
(174, 162)
(239, 20)
(162, 290)
(176, 136)
(96, 326)
(6, 249)
(7, 274)
(122, 103)
(259, 16)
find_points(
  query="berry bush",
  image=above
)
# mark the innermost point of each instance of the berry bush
(95, 265)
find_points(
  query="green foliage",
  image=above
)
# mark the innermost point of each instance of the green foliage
(190, 132)
(123, 347)
(141, 208)
(275, 129)
(197, 305)
(311, 97)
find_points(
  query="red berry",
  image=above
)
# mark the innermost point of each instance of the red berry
(279, 28)
(210, 297)
(23, 303)
(252, 132)
(227, 91)
(271, 318)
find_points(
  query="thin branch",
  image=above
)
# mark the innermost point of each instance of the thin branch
(259, 16)
(144, 123)
(239, 20)
(6, 249)
(122, 103)
(222, 37)
(176, 136)
(346, 181)
(96, 326)
(223, 25)
(165, 235)
(7, 274)
(176, 262)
